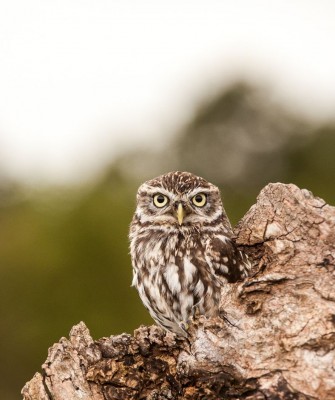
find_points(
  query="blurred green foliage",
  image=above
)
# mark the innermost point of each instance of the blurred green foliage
(64, 258)
(64, 252)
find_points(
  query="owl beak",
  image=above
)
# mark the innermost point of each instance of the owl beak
(180, 213)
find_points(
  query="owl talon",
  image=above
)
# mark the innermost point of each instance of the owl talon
(184, 326)
(196, 311)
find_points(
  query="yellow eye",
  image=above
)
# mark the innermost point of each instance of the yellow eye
(160, 200)
(199, 199)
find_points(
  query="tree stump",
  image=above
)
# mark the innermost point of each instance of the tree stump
(275, 340)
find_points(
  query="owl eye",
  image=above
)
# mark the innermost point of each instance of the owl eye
(199, 199)
(160, 200)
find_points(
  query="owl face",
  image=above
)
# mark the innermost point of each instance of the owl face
(179, 200)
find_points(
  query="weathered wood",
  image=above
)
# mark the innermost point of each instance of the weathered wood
(275, 340)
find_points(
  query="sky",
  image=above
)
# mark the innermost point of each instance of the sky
(82, 81)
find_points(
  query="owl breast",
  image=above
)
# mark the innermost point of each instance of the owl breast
(174, 278)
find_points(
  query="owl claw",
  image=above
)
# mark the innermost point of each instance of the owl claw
(184, 326)
(196, 311)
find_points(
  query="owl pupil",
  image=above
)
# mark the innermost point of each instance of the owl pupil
(198, 198)
(160, 199)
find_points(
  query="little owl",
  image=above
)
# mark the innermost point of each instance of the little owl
(181, 249)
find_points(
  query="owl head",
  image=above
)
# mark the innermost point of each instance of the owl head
(179, 200)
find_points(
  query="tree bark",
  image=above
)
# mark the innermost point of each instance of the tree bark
(274, 340)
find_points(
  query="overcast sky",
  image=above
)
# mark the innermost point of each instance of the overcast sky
(81, 80)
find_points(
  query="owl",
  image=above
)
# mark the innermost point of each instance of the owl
(181, 249)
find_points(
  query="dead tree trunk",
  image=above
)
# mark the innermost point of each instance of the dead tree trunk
(277, 341)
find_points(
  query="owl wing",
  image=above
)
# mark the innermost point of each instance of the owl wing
(226, 260)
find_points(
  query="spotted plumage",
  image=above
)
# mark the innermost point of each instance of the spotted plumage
(181, 249)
